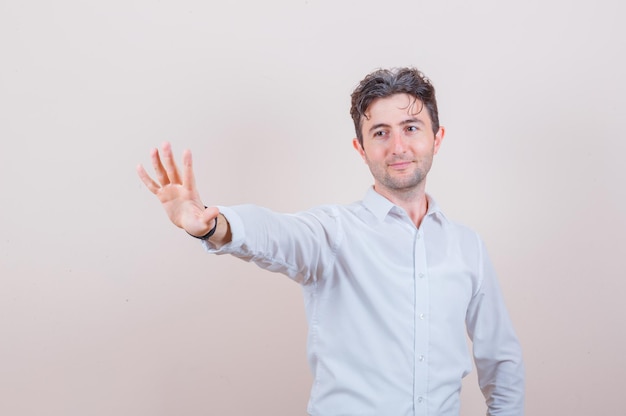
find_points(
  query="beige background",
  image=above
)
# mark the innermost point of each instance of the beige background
(107, 309)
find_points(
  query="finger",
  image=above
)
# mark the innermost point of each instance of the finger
(189, 180)
(159, 170)
(147, 180)
(169, 164)
(204, 222)
(210, 214)
(200, 221)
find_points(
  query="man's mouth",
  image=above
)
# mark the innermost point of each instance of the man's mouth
(400, 165)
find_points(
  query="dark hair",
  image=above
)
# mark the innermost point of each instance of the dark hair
(383, 83)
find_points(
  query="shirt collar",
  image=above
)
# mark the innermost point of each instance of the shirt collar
(381, 206)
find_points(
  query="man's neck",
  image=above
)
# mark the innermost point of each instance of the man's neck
(413, 201)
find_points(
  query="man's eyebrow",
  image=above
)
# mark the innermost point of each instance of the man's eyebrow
(377, 126)
(411, 120)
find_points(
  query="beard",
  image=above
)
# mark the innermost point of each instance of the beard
(401, 181)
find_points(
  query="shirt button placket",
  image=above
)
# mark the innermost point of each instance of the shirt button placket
(422, 332)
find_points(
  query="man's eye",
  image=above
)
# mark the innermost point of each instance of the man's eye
(412, 128)
(379, 133)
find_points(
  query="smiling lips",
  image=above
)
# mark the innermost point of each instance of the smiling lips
(400, 164)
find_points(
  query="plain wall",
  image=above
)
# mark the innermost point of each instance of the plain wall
(108, 309)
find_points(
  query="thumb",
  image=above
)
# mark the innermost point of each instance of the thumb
(209, 214)
(201, 221)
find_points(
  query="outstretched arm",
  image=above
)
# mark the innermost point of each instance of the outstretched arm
(180, 198)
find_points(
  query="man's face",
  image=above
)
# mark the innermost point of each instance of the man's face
(398, 144)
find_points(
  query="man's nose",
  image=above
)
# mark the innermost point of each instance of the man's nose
(398, 142)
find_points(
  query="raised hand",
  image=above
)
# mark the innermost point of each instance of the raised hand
(177, 191)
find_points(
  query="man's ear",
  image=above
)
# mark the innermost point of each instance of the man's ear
(357, 146)
(439, 138)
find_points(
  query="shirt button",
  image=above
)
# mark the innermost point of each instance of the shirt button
(422, 316)
(421, 358)
(421, 275)
(420, 399)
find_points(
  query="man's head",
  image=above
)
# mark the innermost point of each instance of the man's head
(384, 83)
(398, 131)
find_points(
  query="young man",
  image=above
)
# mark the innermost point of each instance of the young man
(391, 285)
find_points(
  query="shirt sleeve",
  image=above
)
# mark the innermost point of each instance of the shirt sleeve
(497, 351)
(298, 245)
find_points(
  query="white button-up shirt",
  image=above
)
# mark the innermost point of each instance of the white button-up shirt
(388, 306)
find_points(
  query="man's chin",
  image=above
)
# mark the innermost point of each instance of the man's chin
(406, 185)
